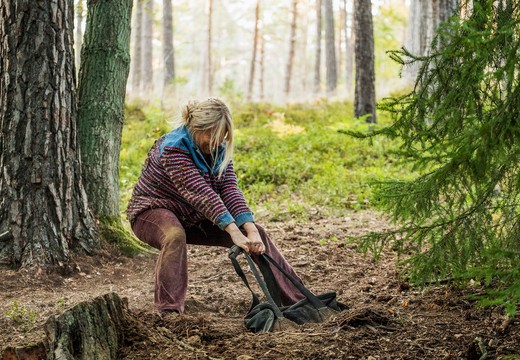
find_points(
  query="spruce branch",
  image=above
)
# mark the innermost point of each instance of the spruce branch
(460, 128)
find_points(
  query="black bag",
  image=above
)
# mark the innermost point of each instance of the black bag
(270, 315)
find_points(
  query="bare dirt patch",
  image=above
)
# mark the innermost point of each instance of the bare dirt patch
(385, 318)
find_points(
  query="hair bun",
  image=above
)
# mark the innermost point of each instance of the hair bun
(187, 112)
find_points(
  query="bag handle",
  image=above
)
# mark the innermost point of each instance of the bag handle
(235, 250)
(240, 273)
(313, 299)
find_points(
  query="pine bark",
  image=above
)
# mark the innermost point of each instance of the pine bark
(253, 57)
(365, 94)
(330, 49)
(138, 47)
(168, 48)
(103, 75)
(147, 69)
(292, 46)
(317, 61)
(43, 205)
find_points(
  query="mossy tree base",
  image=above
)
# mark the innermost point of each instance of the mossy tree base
(113, 232)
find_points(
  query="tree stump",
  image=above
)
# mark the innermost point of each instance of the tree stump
(29, 352)
(89, 330)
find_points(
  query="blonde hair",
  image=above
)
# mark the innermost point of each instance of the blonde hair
(211, 115)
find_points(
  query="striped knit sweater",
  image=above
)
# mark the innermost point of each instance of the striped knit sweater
(177, 177)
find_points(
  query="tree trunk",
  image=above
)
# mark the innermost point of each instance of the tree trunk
(43, 205)
(147, 69)
(413, 43)
(90, 330)
(365, 94)
(262, 67)
(138, 49)
(168, 49)
(304, 64)
(435, 16)
(78, 35)
(349, 47)
(446, 9)
(426, 27)
(103, 75)
(341, 23)
(317, 62)
(209, 68)
(330, 49)
(253, 58)
(423, 20)
(292, 46)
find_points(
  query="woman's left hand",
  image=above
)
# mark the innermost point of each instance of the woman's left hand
(257, 245)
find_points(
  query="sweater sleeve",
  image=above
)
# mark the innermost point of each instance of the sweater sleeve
(193, 188)
(234, 199)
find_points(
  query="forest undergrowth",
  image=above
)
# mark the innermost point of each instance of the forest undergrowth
(292, 161)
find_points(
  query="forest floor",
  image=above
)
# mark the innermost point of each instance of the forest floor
(385, 319)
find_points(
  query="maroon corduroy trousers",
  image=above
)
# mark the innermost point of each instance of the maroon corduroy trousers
(161, 229)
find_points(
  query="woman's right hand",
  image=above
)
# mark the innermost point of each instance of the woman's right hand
(238, 238)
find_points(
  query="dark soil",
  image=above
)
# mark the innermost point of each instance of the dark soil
(385, 319)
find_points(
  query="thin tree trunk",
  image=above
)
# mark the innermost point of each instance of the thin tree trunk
(78, 35)
(341, 23)
(423, 20)
(168, 49)
(365, 94)
(138, 48)
(147, 69)
(104, 72)
(413, 43)
(262, 67)
(43, 206)
(427, 26)
(209, 67)
(292, 46)
(304, 65)
(349, 47)
(253, 58)
(330, 49)
(317, 61)
(446, 9)
(435, 16)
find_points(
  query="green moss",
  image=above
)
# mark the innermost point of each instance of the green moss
(113, 232)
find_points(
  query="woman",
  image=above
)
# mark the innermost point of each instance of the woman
(187, 194)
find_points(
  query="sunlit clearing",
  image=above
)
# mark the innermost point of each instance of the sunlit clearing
(281, 128)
